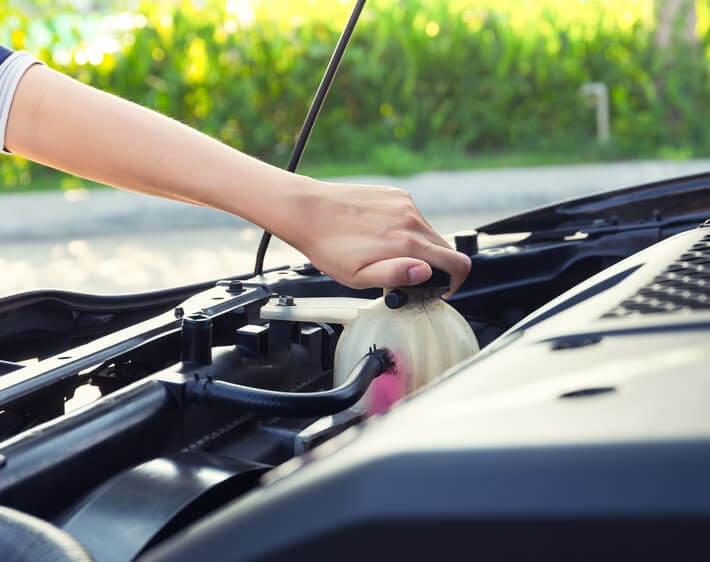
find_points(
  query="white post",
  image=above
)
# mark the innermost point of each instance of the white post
(599, 93)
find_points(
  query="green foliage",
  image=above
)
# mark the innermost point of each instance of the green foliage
(421, 77)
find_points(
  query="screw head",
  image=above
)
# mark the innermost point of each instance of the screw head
(179, 312)
(235, 286)
(286, 300)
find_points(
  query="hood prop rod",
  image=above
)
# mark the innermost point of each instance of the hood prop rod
(312, 115)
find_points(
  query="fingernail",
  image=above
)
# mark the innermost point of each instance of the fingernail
(418, 274)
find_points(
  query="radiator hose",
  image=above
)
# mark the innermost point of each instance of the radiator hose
(291, 404)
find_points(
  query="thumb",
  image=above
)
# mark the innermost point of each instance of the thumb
(393, 272)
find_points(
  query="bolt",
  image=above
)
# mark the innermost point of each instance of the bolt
(231, 285)
(396, 298)
(235, 286)
(179, 312)
(286, 300)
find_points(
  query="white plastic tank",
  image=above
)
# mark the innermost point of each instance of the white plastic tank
(424, 334)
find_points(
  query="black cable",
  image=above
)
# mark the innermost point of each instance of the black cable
(291, 404)
(312, 115)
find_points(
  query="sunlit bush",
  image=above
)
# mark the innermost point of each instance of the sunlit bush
(475, 76)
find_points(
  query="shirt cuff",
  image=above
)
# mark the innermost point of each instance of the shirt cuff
(11, 72)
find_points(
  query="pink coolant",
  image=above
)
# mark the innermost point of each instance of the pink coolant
(389, 387)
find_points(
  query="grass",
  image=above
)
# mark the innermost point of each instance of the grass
(454, 161)
(387, 160)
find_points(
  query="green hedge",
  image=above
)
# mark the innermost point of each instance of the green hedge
(420, 75)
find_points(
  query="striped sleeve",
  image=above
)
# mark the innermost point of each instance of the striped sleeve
(13, 65)
(4, 53)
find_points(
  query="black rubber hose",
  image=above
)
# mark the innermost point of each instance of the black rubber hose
(292, 404)
(25, 538)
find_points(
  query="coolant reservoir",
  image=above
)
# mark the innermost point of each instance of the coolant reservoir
(425, 335)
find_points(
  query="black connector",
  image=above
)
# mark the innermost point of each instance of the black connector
(196, 339)
(439, 279)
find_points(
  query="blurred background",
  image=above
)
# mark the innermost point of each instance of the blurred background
(481, 108)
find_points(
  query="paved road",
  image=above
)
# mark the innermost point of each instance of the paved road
(149, 260)
(100, 212)
(112, 241)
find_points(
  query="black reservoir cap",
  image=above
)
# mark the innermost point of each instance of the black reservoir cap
(439, 279)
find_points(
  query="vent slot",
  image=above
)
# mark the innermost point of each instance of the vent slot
(683, 286)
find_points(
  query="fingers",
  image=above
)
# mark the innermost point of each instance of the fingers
(456, 264)
(406, 271)
(392, 272)
(390, 244)
(417, 239)
(412, 221)
(459, 276)
(423, 248)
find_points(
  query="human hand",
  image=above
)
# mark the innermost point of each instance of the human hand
(367, 236)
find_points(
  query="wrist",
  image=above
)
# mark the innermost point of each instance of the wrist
(290, 210)
(298, 218)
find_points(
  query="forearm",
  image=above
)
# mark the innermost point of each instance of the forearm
(363, 236)
(70, 126)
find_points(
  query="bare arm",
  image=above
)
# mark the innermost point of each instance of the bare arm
(362, 236)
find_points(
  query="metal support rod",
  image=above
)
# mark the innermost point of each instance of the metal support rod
(312, 115)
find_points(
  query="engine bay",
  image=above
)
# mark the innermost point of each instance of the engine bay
(553, 408)
(205, 394)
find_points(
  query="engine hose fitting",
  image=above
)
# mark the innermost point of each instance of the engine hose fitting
(291, 404)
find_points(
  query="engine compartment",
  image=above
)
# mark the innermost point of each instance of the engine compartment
(150, 459)
(573, 428)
